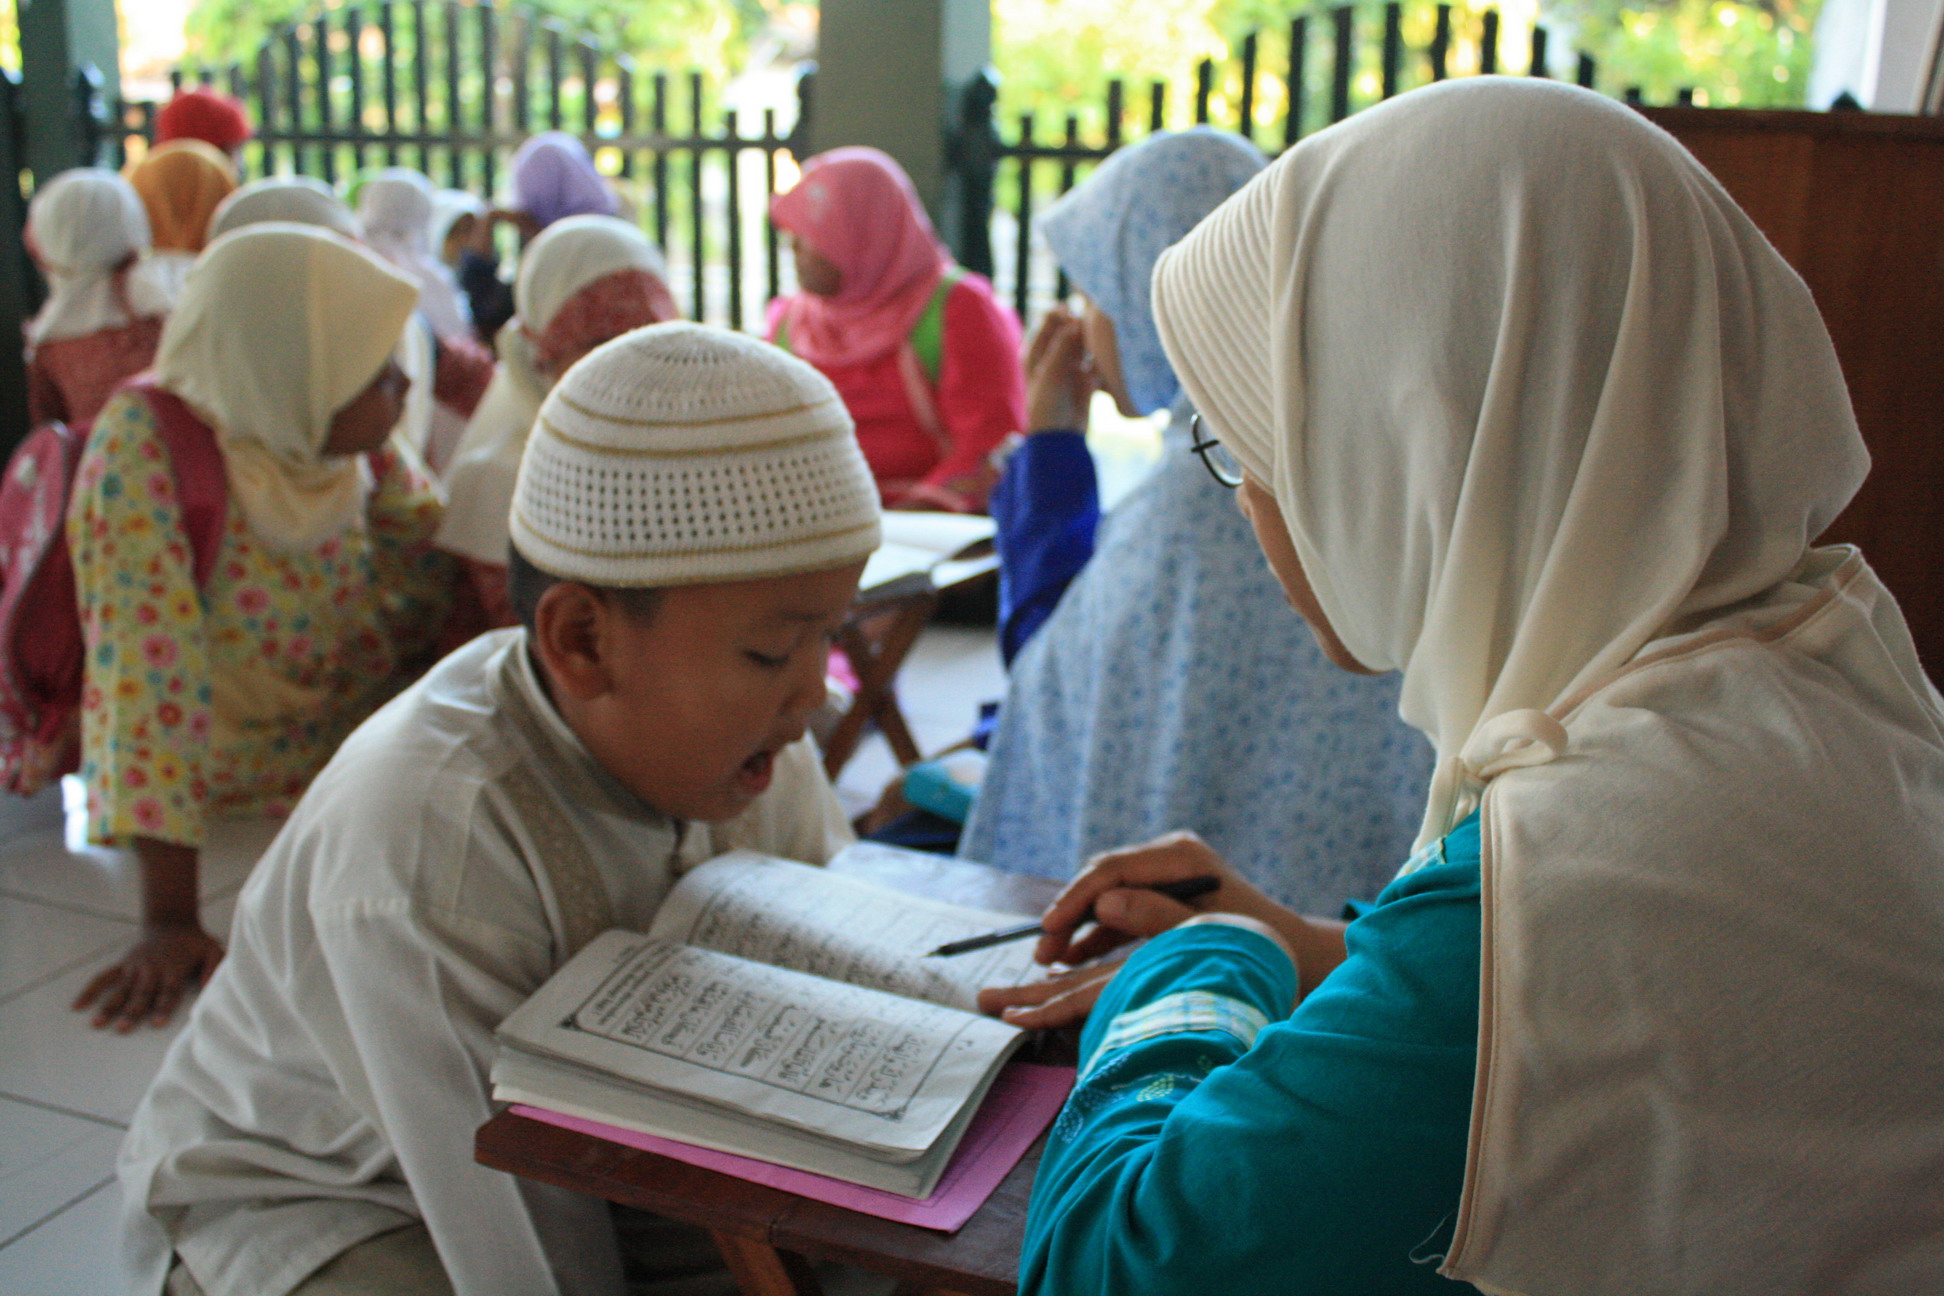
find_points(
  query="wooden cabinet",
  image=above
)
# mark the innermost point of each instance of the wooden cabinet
(1855, 201)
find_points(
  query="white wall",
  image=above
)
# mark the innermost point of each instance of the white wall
(1878, 50)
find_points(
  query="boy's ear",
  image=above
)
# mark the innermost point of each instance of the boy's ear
(569, 626)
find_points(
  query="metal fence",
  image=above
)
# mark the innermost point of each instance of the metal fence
(452, 89)
(1276, 88)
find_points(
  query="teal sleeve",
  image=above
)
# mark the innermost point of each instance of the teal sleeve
(1326, 1156)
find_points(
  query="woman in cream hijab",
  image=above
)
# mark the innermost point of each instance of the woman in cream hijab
(584, 281)
(219, 691)
(1529, 412)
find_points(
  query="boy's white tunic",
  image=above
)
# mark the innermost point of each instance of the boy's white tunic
(334, 1070)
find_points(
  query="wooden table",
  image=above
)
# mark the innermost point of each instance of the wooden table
(768, 1236)
(877, 637)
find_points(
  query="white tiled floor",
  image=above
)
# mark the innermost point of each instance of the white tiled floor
(66, 1091)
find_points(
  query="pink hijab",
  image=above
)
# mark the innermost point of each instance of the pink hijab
(856, 207)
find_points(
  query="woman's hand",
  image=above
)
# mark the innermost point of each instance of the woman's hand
(148, 983)
(1060, 999)
(1112, 893)
(1059, 382)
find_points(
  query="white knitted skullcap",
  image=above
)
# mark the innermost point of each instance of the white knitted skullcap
(680, 454)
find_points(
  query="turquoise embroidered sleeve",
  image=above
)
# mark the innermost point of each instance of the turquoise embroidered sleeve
(1187, 1010)
(1217, 1142)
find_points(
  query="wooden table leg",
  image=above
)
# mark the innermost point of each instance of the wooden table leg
(876, 657)
(762, 1270)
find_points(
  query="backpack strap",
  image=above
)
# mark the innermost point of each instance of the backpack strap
(928, 334)
(202, 483)
(927, 339)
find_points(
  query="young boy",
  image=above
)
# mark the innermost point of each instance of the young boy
(690, 523)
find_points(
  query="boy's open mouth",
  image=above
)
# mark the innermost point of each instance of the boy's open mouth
(755, 773)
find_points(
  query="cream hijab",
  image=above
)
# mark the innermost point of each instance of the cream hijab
(279, 326)
(568, 256)
(1552, 428)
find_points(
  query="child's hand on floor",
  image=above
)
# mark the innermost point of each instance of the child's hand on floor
(150, 980)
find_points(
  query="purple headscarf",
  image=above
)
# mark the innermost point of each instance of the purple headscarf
(554, 177)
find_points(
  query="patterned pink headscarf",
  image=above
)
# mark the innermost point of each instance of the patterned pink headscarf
(857, 208)
(600, 312)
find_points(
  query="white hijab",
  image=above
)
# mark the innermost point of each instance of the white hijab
(89, 231)
(397, 209)
(279, 327)
(568, 256)
(297, 200)
(1552, 428)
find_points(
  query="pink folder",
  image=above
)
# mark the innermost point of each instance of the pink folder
(1022, 1102)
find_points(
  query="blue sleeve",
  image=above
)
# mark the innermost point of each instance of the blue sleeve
(1047, 505)
(1325, 1156)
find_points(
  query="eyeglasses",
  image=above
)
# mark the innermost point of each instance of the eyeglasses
(1215, 456)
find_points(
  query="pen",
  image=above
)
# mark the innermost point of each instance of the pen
(1186, 889)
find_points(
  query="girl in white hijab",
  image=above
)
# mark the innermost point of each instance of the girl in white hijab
(584, 281)
(87, 231)
(297, 199)
(217, 688)
(397, 208)
(1530, 412)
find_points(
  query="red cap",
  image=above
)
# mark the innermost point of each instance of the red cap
(206, 115)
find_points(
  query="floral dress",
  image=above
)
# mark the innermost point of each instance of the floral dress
(225, 701)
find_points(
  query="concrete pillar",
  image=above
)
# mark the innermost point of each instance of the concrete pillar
(58, 38)
(892, 74)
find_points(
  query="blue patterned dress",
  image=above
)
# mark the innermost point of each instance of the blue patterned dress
(1172, 686)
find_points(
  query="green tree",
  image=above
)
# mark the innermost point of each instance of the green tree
(1055, 56)
(712, 35)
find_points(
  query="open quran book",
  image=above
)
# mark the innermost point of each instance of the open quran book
(926, 551)
(776, 1011)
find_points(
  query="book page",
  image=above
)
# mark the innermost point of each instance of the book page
(840, 928)
(943, 535)
(841, 1060)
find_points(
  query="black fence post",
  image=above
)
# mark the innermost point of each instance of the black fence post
(1340, 74)
(1023, 242)
(489, 48)
(1246, 115)
(18, 286)
(972, 152)
(1393, 47)
(1488, 44)
(772, 255)
(1539, 66)
(354, 49)
(422, 86)
(388, 77)
(455, 120)
(1204, 86)
(732, 152)
(1585, 73)
(1297, 84)
(321, 34)
(1441, 45)
(658, 122)
(698, 233)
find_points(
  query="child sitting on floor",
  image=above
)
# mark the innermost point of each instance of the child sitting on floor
(86, 230)
(585, 281)
(690, 523)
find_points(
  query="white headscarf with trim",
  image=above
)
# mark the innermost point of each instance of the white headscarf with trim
(279, 327)
(88, 230)
(397, 208)
(1552, 428)
(568, 256)
(297, 200)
